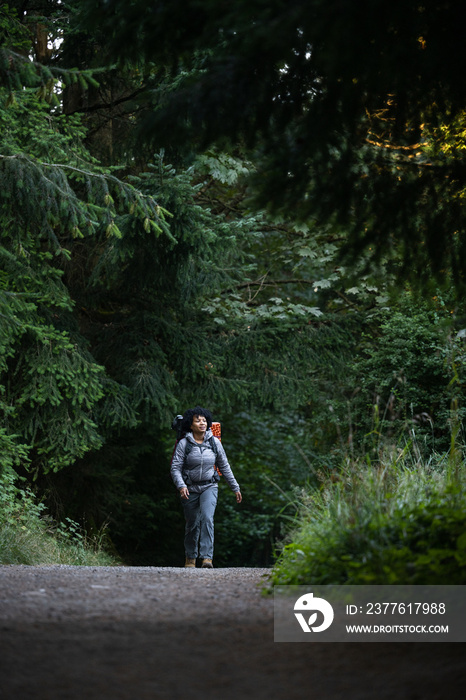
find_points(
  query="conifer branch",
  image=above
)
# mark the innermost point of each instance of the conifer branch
(49, 71)
(88, 173)
(63, 166)
(107, 105)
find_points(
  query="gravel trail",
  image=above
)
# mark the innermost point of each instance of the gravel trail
(137, 633)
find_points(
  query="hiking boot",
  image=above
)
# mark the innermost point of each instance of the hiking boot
(207, 564)
(190, 563)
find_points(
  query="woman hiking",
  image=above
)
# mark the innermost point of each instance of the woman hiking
(194, 475)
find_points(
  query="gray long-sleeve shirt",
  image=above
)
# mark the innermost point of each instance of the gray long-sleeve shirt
(200, 463)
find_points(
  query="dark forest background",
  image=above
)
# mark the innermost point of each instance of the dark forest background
(255, 208)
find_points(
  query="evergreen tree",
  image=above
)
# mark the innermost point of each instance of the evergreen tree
(131, 288)
(337, 100)
(121, 299)
(53, 195)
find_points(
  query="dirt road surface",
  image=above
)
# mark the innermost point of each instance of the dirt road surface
(165, 633)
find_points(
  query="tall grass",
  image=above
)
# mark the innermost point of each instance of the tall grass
(29, 536)
(37, 546)
(400, 521)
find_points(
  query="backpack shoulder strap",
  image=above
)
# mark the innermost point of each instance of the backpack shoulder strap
(187, 449)
(214, 447)
(213, 444)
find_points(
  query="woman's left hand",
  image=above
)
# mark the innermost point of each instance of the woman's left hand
(239, 497)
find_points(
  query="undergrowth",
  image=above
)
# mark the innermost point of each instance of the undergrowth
(29, 536)
(400, 521)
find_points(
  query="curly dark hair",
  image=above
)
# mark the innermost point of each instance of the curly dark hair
(188, 417)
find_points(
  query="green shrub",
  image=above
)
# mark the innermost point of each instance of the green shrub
(409, 369)
(28, 536)
(399, 524)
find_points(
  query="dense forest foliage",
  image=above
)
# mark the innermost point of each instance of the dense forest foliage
(242, 208)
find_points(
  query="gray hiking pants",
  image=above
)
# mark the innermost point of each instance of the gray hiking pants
(199, 511)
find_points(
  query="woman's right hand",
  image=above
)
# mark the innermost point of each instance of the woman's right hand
(184, 493)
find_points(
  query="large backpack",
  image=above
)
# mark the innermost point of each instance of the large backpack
(180, 434)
